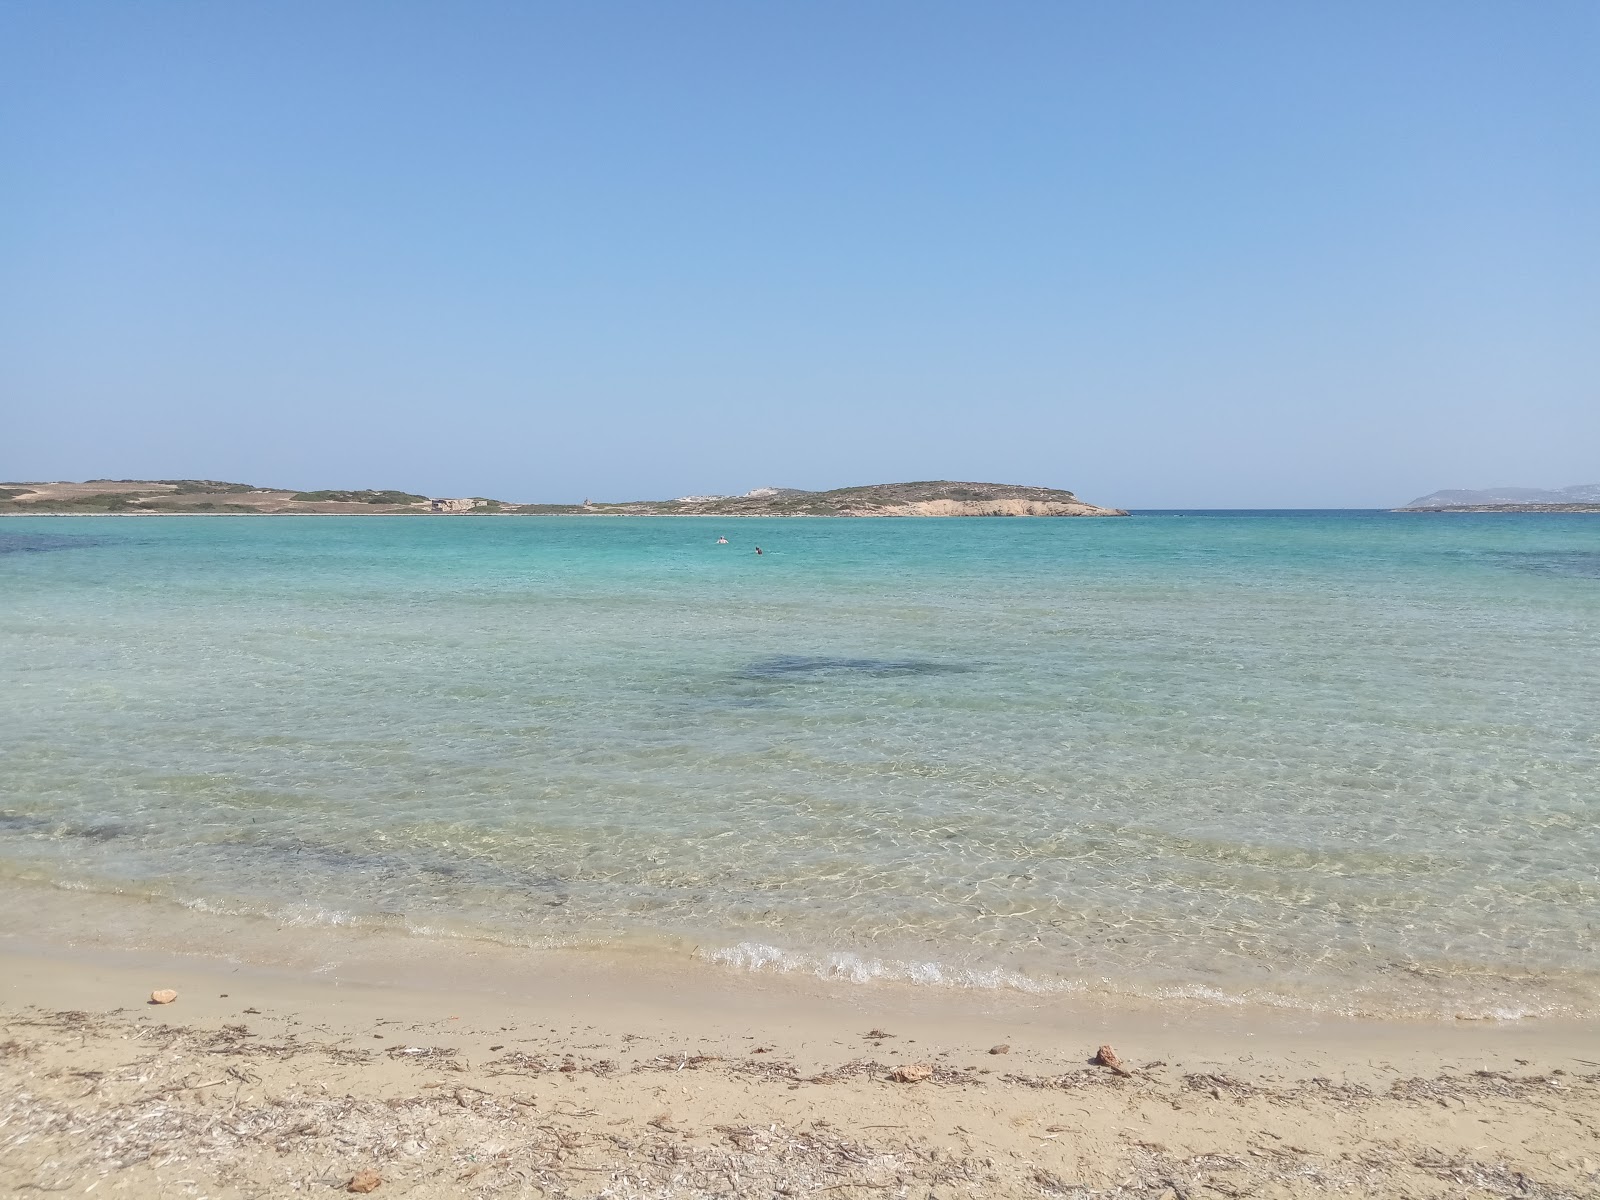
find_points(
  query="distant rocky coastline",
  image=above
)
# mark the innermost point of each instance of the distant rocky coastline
(1503, 508)
(1579, 498)
(937, 498)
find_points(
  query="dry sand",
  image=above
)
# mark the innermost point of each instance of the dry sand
(450, 1070)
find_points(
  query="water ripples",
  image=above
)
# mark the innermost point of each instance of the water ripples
(1339, 763)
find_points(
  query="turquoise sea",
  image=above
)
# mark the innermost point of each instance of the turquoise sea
(1341, 761)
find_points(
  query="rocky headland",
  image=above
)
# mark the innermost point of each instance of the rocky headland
(932, 498)
(937, 498)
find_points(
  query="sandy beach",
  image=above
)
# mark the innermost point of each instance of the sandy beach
(451, 1069)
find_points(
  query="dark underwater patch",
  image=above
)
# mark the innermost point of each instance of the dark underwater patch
(1572, 564)
(103, 831)
(338, 860)
(16, 822)
(37, 543)
(789, 666)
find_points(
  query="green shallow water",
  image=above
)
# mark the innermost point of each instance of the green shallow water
(1345, 761)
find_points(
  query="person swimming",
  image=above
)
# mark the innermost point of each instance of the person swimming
(722, 541)
(758, 549)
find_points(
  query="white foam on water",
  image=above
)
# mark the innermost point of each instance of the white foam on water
(859, 968)
(856, 968)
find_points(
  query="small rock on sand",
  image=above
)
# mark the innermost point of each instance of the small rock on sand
(1107, 1057)
(911, 1073)
(1002, 1048)
(163, 996)
(364, 1181)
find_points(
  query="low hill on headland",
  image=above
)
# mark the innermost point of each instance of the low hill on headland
(197, 496)
(940, 498)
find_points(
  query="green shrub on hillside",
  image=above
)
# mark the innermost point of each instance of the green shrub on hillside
(109, 501)
(365, 496)
(212, 486)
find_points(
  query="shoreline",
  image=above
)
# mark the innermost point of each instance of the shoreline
(166, 936)
(390, 949)
(697, 515)
(451, 1070)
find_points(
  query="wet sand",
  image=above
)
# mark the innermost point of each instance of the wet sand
(453, 1069)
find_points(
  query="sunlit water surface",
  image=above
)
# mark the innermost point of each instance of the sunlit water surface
(1341, 761)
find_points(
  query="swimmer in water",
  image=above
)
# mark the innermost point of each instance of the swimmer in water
(758, 549)
(722, 541)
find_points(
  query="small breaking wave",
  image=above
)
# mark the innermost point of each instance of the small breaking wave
(854, 968)
(860, 968)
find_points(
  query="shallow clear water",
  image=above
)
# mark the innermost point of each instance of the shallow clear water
(1342, 760)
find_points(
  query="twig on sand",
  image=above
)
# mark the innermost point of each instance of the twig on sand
(834, 1187)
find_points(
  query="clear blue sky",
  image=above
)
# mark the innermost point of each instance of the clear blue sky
(1166, 254)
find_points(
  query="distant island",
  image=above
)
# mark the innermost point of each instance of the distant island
(1582, 497)
(937, 498)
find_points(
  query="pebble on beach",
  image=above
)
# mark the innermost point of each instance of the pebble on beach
(911, 1073)
(363, 1181)
(1107, 1057)
(163, 996)
(1002, 1048)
